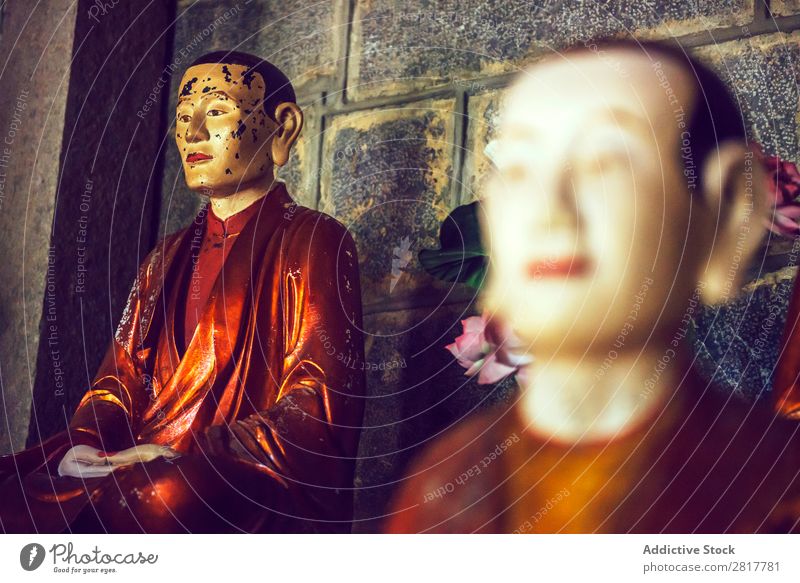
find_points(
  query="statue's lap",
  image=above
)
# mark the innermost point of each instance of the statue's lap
(193, 493)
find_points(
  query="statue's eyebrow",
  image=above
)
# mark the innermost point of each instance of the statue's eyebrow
(185, 98)
(618, 117)
(624, 119)
(219, 92)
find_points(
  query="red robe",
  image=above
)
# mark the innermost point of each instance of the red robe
(212, 242)
(705, 462)
(786, 384)
(265, 405)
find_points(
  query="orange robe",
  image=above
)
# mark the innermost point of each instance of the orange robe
(706, 462)
(786, 385)
(265, 405)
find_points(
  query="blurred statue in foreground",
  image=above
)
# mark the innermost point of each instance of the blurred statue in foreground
(225, 402)
(623, 195)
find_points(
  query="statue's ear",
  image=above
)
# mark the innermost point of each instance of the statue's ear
(732, 189)
(289, 117)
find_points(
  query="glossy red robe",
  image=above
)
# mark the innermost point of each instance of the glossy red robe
(705, 462)
(212, 242)
(786, 383)
(266, 404)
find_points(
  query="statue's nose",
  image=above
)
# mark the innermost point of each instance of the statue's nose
(196, 132)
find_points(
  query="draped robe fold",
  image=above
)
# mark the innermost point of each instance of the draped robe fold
(265, 405)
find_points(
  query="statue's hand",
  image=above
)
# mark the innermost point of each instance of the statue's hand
(84, 461)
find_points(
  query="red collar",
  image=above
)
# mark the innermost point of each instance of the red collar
(234, 224)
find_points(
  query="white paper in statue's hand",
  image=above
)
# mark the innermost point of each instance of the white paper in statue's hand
(84, 461)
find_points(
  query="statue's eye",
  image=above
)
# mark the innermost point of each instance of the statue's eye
(215, 112)
(604, 162)
(185, 118)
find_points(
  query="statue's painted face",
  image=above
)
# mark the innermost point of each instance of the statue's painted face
(222, 131)
(587, 213)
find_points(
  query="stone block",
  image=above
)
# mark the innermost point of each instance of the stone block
(763, 75)
(386, 174)
(33, 102)
(397, 47)
(417, 391)
(303, 39)
(737, 344)
(482, 117)
(784, 7)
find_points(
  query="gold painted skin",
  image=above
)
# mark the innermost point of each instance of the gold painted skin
(265, 414)
(220, 115)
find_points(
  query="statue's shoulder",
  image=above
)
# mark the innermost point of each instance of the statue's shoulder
(446, 487)
(479, 432)
(735, 423)
(317, 227)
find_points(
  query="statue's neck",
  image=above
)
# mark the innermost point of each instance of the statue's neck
(247, 194)
(589, 397)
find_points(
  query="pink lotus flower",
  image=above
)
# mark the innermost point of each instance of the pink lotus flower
(489, 349)
(782, 188)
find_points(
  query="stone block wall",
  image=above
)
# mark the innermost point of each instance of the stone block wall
(401, 97)
(79, 175)
(32, 105)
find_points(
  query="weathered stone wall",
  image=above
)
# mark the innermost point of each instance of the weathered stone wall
(33, 98)
(79, 179)
(105, 219)
(401, 98)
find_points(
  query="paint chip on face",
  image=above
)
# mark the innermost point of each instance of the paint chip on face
(187, 88)
(222, 110)
(248, 77)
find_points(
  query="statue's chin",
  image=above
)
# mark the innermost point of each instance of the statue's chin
(213, 189)
(218, 187)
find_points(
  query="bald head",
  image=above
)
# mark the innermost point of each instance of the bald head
(705, 112)
(568, 99)
(595, 195)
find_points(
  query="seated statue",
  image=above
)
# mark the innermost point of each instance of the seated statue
(622, 196)
(225, 402)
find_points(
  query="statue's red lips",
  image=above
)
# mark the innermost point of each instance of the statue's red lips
(197, 157)
(561, 267)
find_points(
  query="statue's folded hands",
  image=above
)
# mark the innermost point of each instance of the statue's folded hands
(84, 461)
